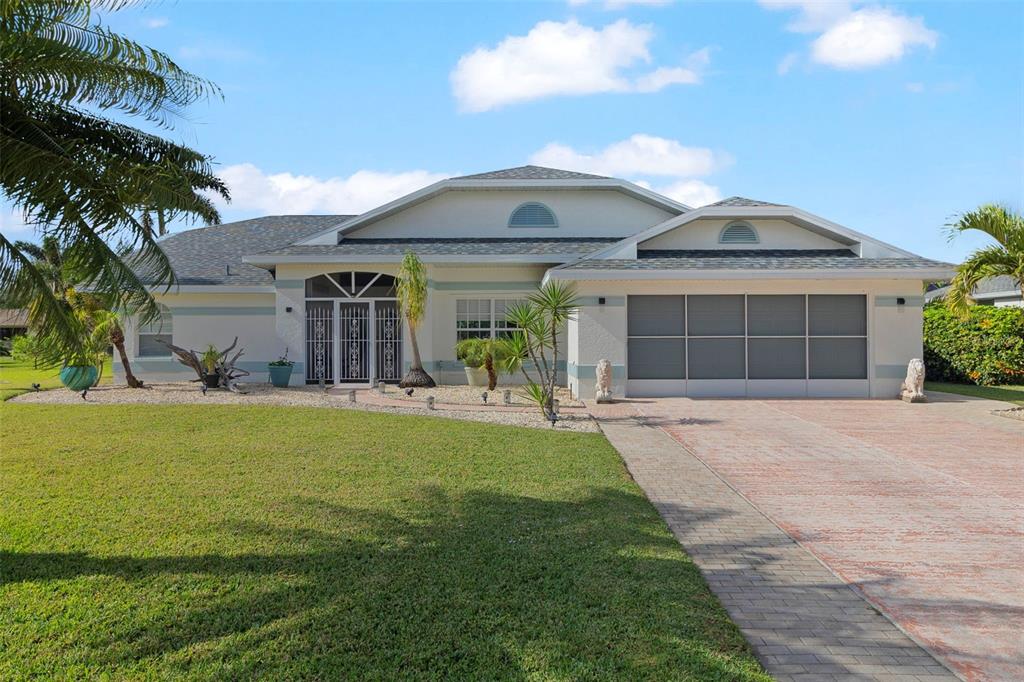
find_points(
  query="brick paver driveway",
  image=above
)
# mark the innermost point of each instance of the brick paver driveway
(919, 507)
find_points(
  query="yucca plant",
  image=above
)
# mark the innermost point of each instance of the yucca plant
(1005, 257)
(540, 318)
(82, 177)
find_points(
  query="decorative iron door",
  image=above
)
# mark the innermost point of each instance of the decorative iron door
(388, 341)
(354, 363)
(320, 341)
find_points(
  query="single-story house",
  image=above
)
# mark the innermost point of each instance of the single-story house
(738, 298)
(998, 291)
(13, 322)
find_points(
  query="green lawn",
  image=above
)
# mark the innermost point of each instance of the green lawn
(1010, 394)
(17, 377)
(229, 542)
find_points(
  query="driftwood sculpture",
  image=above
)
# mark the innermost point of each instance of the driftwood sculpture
(225, 367)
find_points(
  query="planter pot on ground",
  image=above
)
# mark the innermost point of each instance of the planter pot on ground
(78, 377)
(476, 376)
(211, 380)
(280, 375)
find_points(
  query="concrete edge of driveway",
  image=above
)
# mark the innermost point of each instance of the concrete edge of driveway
(802, 619)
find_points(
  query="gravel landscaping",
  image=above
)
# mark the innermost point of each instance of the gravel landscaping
(471, 395)
(306, 396)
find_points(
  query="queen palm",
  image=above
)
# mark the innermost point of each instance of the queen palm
(83, 178)
(411, 291)
(1005, 257)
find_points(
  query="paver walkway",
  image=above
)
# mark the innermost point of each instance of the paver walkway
(919, 507)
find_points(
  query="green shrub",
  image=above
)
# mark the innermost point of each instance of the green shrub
(26, 348)
(986, 349)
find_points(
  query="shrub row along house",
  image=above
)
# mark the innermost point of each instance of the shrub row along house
(738, 298)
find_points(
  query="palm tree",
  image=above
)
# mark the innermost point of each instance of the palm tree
(411, 290)
(1005, 257)
(82, 177)
(108, 330)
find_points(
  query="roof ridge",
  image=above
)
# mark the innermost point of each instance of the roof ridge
(532, 172)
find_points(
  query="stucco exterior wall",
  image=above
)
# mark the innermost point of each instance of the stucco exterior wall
(483, 213)
(773, 233)
(201, 319)
(894, 331)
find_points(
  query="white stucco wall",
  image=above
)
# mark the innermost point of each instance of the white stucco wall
(894, 331)
(773, 233)
(202, 319)
(485, 213)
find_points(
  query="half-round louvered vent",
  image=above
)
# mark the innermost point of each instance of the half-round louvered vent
(532, 214)
(738, 233)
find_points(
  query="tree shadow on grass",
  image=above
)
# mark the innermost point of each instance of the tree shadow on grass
(485, 585)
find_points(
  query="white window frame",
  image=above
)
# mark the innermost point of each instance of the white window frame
(492, 329)
(166, 317)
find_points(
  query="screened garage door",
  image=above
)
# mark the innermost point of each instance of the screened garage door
(747, 345)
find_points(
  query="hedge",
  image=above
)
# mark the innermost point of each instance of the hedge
(986, 349)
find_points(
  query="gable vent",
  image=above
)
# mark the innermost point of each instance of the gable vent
(532, 214)
(738, 233)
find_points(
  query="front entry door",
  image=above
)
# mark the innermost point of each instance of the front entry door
(354, 365)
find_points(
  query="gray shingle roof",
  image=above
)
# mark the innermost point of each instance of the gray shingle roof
(989, 285)
(531, 173)
(203, 255)
(497, 246)
(754, 259)
(743, 202)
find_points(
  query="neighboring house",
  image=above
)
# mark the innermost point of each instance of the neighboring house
(13, 322)
(739, 298)
(998, 291)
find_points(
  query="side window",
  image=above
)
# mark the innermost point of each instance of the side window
(153, 333)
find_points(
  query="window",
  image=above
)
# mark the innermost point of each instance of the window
(738, 233)
(532, 214)
(482, 318)
(154, 334)
(351, 285)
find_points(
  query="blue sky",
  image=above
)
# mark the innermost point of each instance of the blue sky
(886, 118)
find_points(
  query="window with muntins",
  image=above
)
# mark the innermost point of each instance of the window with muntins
(532, 214)
(153, 335)
(738, 233)
(483, 318)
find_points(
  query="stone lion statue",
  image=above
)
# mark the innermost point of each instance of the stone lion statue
(604, 381)
(912, 390)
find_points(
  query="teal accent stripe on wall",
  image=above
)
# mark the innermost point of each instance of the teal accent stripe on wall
(590, 371)
(223, 310)
(482, 286)
(890, 301)
(890, 371)
(456, 366)
(171, 366)
(290, 284)
(609, 301)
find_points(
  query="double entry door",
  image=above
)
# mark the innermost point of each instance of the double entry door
(353, 342)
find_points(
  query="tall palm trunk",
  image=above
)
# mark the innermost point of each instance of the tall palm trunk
(117, 339)
(492, 376)
(416, 376)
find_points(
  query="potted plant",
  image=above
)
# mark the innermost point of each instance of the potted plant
(483, 358)
(209, 360)
(79, 373)
(281, 371)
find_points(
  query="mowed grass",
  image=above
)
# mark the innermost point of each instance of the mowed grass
(1010, 393)
(17, 377)
(224, 542)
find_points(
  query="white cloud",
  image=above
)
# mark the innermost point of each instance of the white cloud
(787, 63)
(284, 193)
(638, 155)
(693, 193)
(12, 223)
(567, 58)
(870, 37)
(156, 22)
(916, 88)
(855, 38)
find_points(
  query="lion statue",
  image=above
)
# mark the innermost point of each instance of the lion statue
(912, 390)
(604, 381)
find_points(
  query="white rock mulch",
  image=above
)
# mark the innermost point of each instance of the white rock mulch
(186, 393)
(471, 395)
